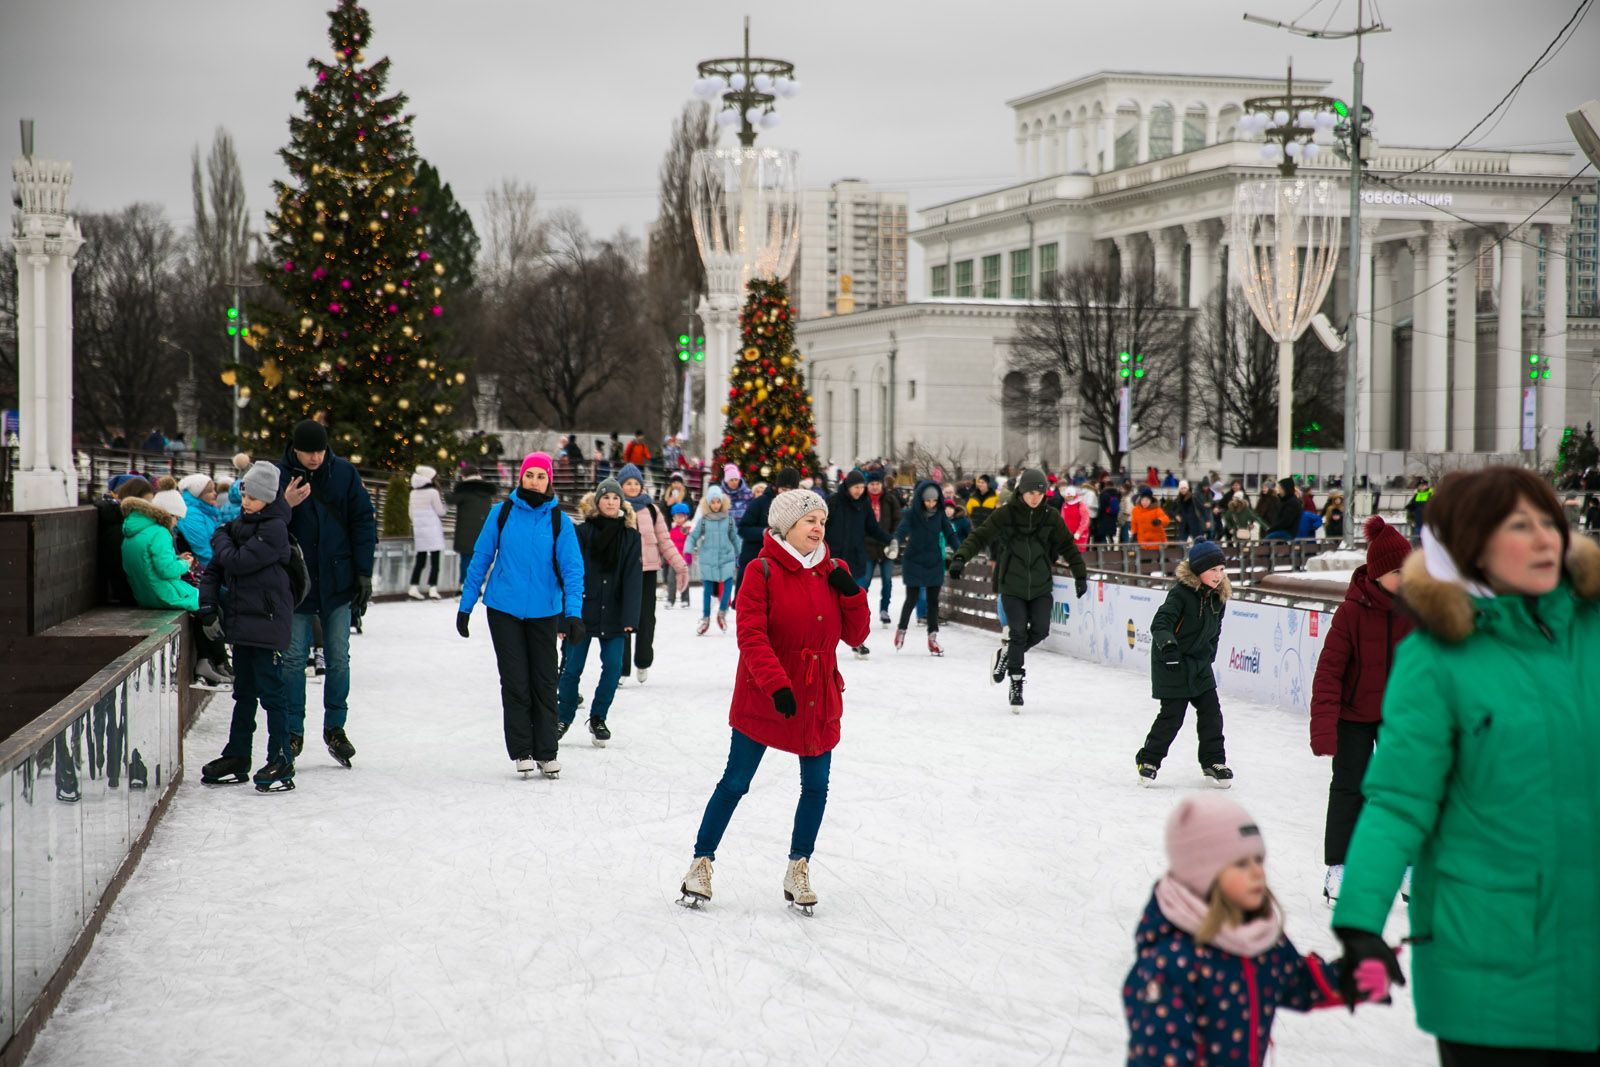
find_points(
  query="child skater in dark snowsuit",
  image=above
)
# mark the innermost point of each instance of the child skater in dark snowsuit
(923, 533)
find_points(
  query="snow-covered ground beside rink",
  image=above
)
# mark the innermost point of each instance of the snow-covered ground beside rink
(980, 876)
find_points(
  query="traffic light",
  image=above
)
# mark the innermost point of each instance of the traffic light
(233, 322)
(683, 348)
(1132, 366)
(699, 349)
(1541, 367)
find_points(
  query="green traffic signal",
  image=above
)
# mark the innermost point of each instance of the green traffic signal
(699, 357)
(233, 320)
(1341, 109)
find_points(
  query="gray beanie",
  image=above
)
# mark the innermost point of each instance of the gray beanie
(789, 508)
(1032, 481)
(607, 485)
(260, 482)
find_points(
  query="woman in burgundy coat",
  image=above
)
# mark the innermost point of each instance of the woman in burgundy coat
(1347, 693)
(795, 605)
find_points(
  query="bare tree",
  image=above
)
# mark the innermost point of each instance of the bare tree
(222, 225)
(1080, 328)
(516, 235)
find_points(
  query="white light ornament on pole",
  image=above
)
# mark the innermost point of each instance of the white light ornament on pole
(1285, 247)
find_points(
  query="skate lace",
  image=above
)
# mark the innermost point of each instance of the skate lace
(700, 871)
(801, 876)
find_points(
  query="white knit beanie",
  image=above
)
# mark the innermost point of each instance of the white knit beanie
(789, 508)
(194, 484)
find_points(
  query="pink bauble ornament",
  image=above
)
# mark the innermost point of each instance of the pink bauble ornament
(344, 283)
(333, 309)
(437, 311)
(393, 308)
(423, 256)
(289, 265)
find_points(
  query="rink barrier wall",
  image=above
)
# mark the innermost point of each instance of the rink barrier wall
(82, 788)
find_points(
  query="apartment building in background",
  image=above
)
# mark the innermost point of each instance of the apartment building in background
(852, 244)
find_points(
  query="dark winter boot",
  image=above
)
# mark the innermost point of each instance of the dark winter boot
(226, 770)
(600, 732)
(1218, 775)
(275, 777)
(296, 743)
(997, 665)
(339, 746)
(1016, 690)
(562, 728)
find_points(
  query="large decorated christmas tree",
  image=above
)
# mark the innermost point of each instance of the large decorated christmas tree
(769, 420)
(361, 294)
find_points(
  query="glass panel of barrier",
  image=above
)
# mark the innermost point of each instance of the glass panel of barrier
(105, 800)
(8, 958)
(47, 863)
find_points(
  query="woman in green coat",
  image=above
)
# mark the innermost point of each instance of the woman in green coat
(154, 568)
(1485, 780)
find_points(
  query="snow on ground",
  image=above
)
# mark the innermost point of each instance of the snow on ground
(980, 875)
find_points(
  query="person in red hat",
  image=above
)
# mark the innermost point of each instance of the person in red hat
(1347, 693)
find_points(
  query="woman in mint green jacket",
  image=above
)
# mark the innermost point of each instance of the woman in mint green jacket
(1485, 779)
(154, 568)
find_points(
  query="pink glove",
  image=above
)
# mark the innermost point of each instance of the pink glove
(683, 578)
(1372, 978)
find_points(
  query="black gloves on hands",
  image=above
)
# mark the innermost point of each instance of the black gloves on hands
(1082, 586)
(843, 584)
(363, 597)
(1171, 657)
(462, 619)
(1360, 945)
(211, 624)
(955, 568)
(783, 700)
(573, 628)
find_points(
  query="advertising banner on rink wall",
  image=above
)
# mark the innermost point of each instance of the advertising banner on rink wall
(1267, 654)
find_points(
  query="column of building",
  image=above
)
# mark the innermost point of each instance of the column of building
(1508, 346)
(1381, 381)
(1464, 400)
(1435, 361)
(1553, 390)
(1365, 438)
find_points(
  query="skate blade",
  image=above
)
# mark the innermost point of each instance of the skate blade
(803, 909)
(1146, 783)
(597, 742)
(283, 785)
(211, 687)
(232, 779)
(551, 774)
(692, 902)
(1219, 783)
(343, 761)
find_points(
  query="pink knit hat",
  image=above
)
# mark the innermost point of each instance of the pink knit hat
(1205, 834)
(536, 459)
(730, 471)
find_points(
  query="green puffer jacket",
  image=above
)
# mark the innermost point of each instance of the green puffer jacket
(1027, 542)
(1191, 619)
(154, 570)
(1484, 776)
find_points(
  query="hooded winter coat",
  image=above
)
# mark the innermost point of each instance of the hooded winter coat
(148, 558)
(1238, 520)
(790, 623)
(249, 578)
(982, 503)
(738, 499)
(1027, 541)
(427, 511)
(715, 543)
(1194, 521)
(1076, 517)
(923, 537)
(235, 505)
(472, 499)
(610, 598)
(850, 523)
(1149, 526)
(655, 537)
(335, 527)
(1482, 780)
(1287, 518)
(1190, 619)
(532, 578)
(197, 525)
(1357, 656)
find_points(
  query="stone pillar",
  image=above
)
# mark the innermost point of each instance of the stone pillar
(1365, 439)
(1435, 344)
(720, 313)
(1202, 261)
(1508, 347)
(1108, 135)
(1022, 158)
(1211, 126)
(486, 405)
(1128, 257)
(1382, 346)
(46, 242)
(1168, 246)
(1417, 402)
(1464, 400)
(1177, 131)
(1553, 392)
(1144, 136)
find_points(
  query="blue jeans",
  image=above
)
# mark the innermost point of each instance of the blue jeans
(1277, 535)
(1000, 609)
(576, 655)
(710, 589)
(922, 602)
(335, 684)
(884, 569)
(256, 677)
(744, 756)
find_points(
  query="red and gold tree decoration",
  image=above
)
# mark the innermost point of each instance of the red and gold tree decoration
(769, 414)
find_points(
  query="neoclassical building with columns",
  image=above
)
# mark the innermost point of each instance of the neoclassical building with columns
(1463, 280)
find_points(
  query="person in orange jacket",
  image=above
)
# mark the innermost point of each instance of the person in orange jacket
(1149, 522)
(637, 452)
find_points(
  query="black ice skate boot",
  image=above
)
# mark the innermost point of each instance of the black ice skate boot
(339, 746)
(275, 778)
(297, 742)
(1016, 691)
(66, 780)
(225, 770)
(562, 728)
(599, 732)
(997, 665)
(1217, 774)
(1147, 774)
(139, 775)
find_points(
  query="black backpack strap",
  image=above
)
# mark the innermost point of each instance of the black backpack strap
(555, 535)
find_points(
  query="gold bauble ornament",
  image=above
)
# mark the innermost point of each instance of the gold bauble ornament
(403, 403)
(438, 268)
(373, 226)
(777, 381)
(317, 236)
(766, 472)
(460, 378)
(724, 409)
(319, 205)
(761, 394)
(406, 330)
(305, 324)
(344, 216)
(388, 287)
(752, 354)
(784, 361)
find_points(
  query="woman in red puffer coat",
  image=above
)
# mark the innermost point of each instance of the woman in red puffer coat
(795, 605)
(1347, 693)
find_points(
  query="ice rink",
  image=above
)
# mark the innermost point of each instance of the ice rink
(980, 875)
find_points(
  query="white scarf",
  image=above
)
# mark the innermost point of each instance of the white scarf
(806, 561)
(1186, 910)
(1442, 568)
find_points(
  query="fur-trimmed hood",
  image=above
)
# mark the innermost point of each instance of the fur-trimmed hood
(1188, 577)
(154, 512)
(1446, 610)
(588, 509)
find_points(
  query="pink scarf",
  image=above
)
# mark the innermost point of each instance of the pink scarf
(1186, 910)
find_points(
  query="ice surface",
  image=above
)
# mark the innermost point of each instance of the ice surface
(980, 875)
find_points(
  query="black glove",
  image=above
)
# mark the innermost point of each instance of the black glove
(783, 700)
(363, 597)
(573, 628)
(462, 619)
(957, 565)
(1360, 945)
(1081, 585)
(211, 624)
(842, 583)
(1171, 657)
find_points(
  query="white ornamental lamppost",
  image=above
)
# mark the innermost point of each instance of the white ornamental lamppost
(46, 241)
(746, 207)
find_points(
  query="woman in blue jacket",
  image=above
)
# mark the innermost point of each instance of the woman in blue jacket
(613, 582)
(202, 518)
(924, 533)
(534, 594)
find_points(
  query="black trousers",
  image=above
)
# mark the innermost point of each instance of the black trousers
(1027, 623)
(1452, 1054)
(205, 648)
(1356, 741)
(912, 593)
(1207, 723)
(432, 559)
(640, 648)
(526, 651)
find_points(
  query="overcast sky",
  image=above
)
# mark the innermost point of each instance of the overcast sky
(578, 98)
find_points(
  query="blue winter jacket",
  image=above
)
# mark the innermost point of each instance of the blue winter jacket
(715, 544)
(235, 505)
(923, 537)
(1196, 1004)
(1310, 523)
(531, 579)
(198, 524)
(249, 578)
(335, 526)
(962, 526)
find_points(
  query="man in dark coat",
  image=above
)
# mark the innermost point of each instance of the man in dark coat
(752, 524)
(334, 523)
(884, 500)
(472, 498)
(850, 523)
(1286, 521)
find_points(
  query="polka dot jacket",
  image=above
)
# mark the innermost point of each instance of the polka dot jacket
(1198, 1006)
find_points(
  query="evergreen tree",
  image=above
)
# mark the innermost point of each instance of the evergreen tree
(360, 289)
(770, 423)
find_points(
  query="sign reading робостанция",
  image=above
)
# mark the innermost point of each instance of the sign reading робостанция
(1429, 199)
